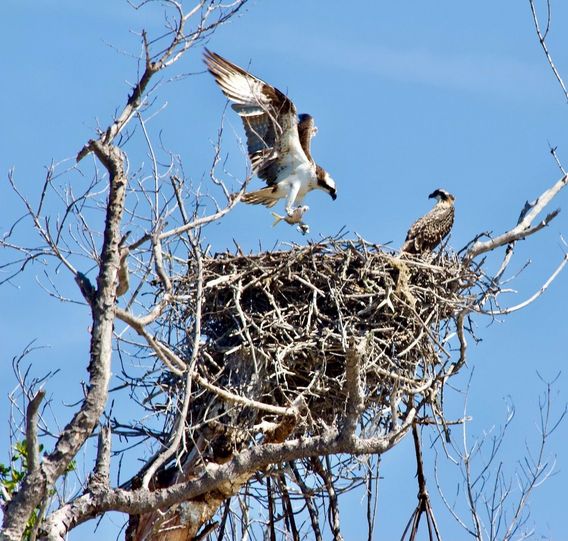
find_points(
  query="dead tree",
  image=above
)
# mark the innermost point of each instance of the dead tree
(265, 377)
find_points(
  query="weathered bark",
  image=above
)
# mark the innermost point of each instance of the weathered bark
(183, 522)
(218, 482)
(38, 480)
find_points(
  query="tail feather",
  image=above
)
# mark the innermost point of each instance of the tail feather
(266, 197)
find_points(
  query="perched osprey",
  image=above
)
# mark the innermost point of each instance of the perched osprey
(427, 232)
(278, 139)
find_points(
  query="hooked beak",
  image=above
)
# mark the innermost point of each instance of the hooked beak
(333, 195)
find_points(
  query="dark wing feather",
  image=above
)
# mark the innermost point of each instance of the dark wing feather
(427, 232)
(265, 111)
(306, 130)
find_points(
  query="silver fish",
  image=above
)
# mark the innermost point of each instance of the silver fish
(294, 218)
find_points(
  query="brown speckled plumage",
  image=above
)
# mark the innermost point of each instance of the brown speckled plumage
(427, 232)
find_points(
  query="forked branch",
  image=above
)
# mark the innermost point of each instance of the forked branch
(524, 227)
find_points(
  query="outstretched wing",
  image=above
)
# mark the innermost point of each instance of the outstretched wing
(267, 114)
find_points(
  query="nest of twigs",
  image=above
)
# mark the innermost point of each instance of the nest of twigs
(277, 325)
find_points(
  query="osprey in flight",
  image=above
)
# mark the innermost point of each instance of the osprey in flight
(278, 139)
(427, 232)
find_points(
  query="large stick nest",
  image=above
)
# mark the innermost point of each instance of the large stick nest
(278, 324)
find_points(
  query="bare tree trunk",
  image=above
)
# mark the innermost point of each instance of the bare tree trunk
(43, 475)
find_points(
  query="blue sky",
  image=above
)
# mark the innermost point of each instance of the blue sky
(408, 96)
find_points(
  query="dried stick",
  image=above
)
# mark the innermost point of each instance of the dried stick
(223, 523)
(424, 505)
(271, 525)
(542, 41)
(287, 507)
(180, 425)
(354, 387)
(533, 297)
(308, 495)
(325, 475)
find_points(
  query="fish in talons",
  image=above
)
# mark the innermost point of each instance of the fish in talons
(293, 218)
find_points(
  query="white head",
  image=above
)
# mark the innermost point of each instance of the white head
(442, 196)
(325, 182)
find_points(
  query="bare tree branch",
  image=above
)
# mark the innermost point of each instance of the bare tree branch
(226, 477)
(524, 227)
(31, 432)
(542, 41)
(536, 295)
